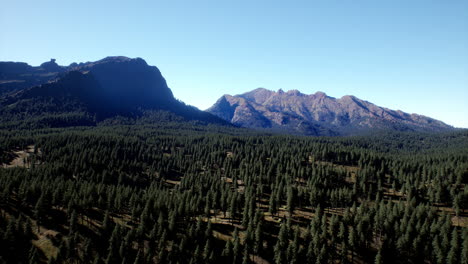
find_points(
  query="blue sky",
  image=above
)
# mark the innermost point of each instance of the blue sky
(407, 55)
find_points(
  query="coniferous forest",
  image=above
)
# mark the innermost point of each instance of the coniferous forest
(184, 192)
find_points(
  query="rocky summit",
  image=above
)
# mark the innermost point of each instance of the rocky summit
(317, 114)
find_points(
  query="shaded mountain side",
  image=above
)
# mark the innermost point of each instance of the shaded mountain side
(317, 114)
(126, 83)
(114, 86)
(15, 76)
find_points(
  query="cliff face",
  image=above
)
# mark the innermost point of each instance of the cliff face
(316, 114)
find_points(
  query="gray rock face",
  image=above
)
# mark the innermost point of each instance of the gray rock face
(316, 114)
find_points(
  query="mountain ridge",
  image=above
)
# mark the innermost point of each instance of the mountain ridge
(316, 114)
(119, 85)
(103, 89)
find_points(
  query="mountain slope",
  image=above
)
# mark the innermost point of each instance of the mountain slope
(316, 114)
(15, 76)
(114, 86)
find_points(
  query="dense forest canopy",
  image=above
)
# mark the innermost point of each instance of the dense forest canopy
(159, 189)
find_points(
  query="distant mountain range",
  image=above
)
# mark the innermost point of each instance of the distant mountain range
(87, 93)
(316, 114)
(51, 95)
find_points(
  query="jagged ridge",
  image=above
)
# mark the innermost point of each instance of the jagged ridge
(316, 114)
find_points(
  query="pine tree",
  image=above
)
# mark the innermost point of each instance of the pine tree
(97, 259)
(245, 258)
(227, 251)
(106, 224)
(352, 242)
(73, 222)
(438, 251)
(209, 230)
(378, 258)
(258, 237)
(33, 255)
(137, 258)
(310, 254)
(196, 255)
(236, 245)
(290, 200)
(281, 244)
(207, 249)
(321, 257)
(113, 245)
(272, 205)
(454, 253)
(39, 211)
(464, 249)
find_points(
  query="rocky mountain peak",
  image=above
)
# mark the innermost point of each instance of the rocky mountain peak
(294, 93)
(320, 95)
(51, 66)
(316, 114)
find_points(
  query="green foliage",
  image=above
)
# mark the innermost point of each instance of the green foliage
(134, 191)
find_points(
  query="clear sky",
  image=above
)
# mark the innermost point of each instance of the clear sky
(410, 55)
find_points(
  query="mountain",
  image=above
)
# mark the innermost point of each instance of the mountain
(15, 76)
(316, 114)
(87, 93)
